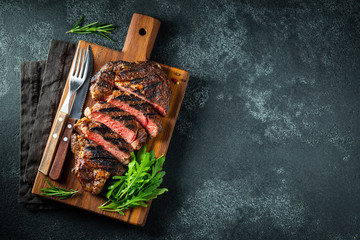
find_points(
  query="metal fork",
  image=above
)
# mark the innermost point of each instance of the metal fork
(77, 78)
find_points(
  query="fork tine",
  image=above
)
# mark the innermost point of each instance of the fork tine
(75, 62)
(79, 63)
(85, 59)
(87, 63)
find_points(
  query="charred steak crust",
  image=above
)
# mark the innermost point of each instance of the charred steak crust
(102, 84)
(91, 179)
(146, 80)
(140, 139)
(106, 138)
(100, 158)
(93, 165)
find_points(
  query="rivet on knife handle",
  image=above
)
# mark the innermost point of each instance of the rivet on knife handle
(61, 153)
(52, 143)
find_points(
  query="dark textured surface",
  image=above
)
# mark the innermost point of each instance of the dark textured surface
(267, 144)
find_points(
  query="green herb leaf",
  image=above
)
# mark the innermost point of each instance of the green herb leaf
(139, 184)
(95, 28)
(60, 193)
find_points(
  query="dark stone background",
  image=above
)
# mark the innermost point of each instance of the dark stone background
(267, 143)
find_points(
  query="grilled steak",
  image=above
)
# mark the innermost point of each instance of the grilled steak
(140, 109)
(102, 85)
(106, 138)
(91, 179)
(145, 80)
(93, 165)
(119, 121)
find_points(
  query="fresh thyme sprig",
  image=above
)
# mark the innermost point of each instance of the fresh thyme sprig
(58, 192)
(95, 28)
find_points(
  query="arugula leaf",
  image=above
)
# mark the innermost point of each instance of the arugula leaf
(139, 184)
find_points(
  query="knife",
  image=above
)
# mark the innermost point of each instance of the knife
(75, 114)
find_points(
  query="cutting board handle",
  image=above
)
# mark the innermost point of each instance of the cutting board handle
(140, 38)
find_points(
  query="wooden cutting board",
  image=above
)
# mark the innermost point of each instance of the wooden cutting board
(139, 42)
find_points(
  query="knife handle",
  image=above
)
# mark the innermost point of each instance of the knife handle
(62, 150)
(52, 142)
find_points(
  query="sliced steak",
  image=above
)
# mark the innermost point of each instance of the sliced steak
(121, 122)
(106, 138)
(146, 80)
(140, 109)
(93, 165)
(102, 85)
(91, 179)
(140, 140)
(90, 151)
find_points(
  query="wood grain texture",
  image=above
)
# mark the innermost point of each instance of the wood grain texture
(137, 47)
(60, 155)
(53, 142)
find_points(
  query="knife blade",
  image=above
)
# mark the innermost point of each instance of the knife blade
(75, 114)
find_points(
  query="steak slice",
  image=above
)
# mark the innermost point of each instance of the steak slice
(140, 109)
(95, 154)
(119, 121)
(145, 79)
(93, 165)
(91, 179)
(106, 138)
(102, 84)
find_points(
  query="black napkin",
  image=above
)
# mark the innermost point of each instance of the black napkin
(42, 84)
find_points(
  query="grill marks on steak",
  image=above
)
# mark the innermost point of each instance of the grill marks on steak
(120, 121)
(93, 165)
(91, 179)
(106, 138)
(140, 109)
(145, 80)
(102, 84)
(93, 152)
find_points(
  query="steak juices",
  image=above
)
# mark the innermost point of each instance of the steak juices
(131, 97)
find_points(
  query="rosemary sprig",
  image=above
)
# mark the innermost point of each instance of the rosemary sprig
(60, 193)
(95, 28)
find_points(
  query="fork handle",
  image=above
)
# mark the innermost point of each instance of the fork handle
(52, 142)
(61, 152)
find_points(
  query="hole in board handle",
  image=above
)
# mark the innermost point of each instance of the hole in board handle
(142, 31)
